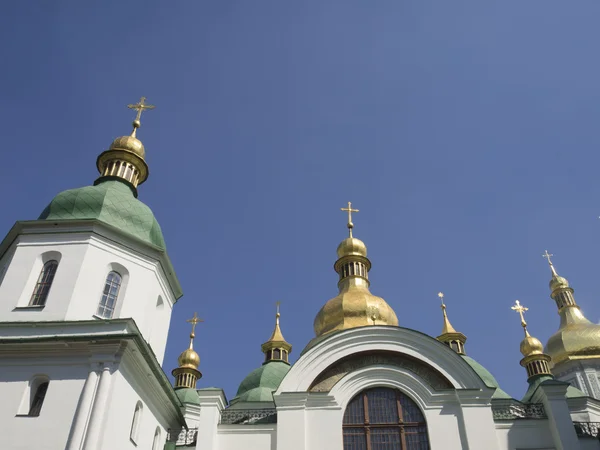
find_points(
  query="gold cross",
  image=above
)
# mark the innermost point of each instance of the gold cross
(140, 107)
(194, 320)
(441, 296)
(350, 211)
(547, 256)
(520, 309)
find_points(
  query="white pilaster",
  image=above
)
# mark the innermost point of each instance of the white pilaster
(212, 402)
(291, 420)
(94, 435)
(552, 395)
(476, 420)
(82, 412)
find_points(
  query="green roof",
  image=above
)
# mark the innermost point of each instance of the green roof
(260, 384)
(187, 395)
(572, 392)
(112, 202)
(486, 377)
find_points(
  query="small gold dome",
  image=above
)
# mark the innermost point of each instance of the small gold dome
(531, 346)
(129, 144)
(189, 359)
(351, 246)
(558, 282)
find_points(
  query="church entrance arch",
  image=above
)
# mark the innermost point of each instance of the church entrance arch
(384, 419)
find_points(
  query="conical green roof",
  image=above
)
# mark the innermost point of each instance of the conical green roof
(486, 377)
(260, 384)
(187, 395)
(112, 202)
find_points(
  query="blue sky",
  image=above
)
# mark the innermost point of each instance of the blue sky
(465, 132)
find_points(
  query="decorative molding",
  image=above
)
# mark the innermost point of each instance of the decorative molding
(334, 373)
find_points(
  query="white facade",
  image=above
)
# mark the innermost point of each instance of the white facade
(105, 386)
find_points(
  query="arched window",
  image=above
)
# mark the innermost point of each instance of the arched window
(106, 308)
(38, 392)
(135, 424)
(156, 441)
(384, 419)
(44, 282)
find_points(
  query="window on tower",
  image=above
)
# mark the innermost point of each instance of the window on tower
(135, 424)
(44, 283)
(106, 308)
(384, 419)
(156, 442)
(39, 394)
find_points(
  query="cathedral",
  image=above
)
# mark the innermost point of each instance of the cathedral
(86, 295)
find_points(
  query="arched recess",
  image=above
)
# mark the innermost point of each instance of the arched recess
(34, 276)
(135, 422)
(403, 341)
(34, 396)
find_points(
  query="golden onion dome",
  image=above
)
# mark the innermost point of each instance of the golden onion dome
(558, 282)
(577, 337)
(531, 346)
(129, 144)
(352, 247)
(189, 359)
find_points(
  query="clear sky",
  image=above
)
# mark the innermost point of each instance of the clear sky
(465, 132)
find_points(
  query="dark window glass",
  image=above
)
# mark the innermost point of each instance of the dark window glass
(276, 354)
(384, 419)
(44, 282)
(38, 400)
(106, 308)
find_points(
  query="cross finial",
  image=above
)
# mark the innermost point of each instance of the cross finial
(277, 315)
(350, 211)
(548, 256)
(140, 107)
(194, 321)
(441, 296)
(520, 309)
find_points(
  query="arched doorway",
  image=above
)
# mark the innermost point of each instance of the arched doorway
(384, 419)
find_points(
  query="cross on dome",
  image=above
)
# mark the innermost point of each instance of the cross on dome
(350, 211)
(520, 309)
(140, 107)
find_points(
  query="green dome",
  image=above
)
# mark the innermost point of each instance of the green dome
(262, 382)
(187, 395)
(486, 377)
(111, 202)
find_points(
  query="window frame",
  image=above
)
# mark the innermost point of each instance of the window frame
(43, 285)
(403, 428)
(107, 295)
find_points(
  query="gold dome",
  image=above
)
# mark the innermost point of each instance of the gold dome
(531, 346)
(354, 307)
(577, 338)
(189, 359)
(558, 282)
(129, 144)
(352, 247)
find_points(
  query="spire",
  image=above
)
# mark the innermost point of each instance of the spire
(452, 338)
(276, 348)
(560, 291)
(354, 306)
(187, 374)
(124, 160)
(535, 361)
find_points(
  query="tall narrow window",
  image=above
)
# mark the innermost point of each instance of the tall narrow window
(106, 308)
(384, 419)
(44, 283)
(135, 424)
(156, 442)
(38, 399)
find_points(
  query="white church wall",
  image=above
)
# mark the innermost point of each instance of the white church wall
(51, 428)
(248, 437)
(120, 413)
(524, 434)
(85, 260)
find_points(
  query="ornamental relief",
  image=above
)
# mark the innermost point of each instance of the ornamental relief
(334, 373)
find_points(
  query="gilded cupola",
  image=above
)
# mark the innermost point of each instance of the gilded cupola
(187, 374)
(535, 361)
(452, 338)
(354, 306)
(577, 337)
(277, 348)
(125, 158)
